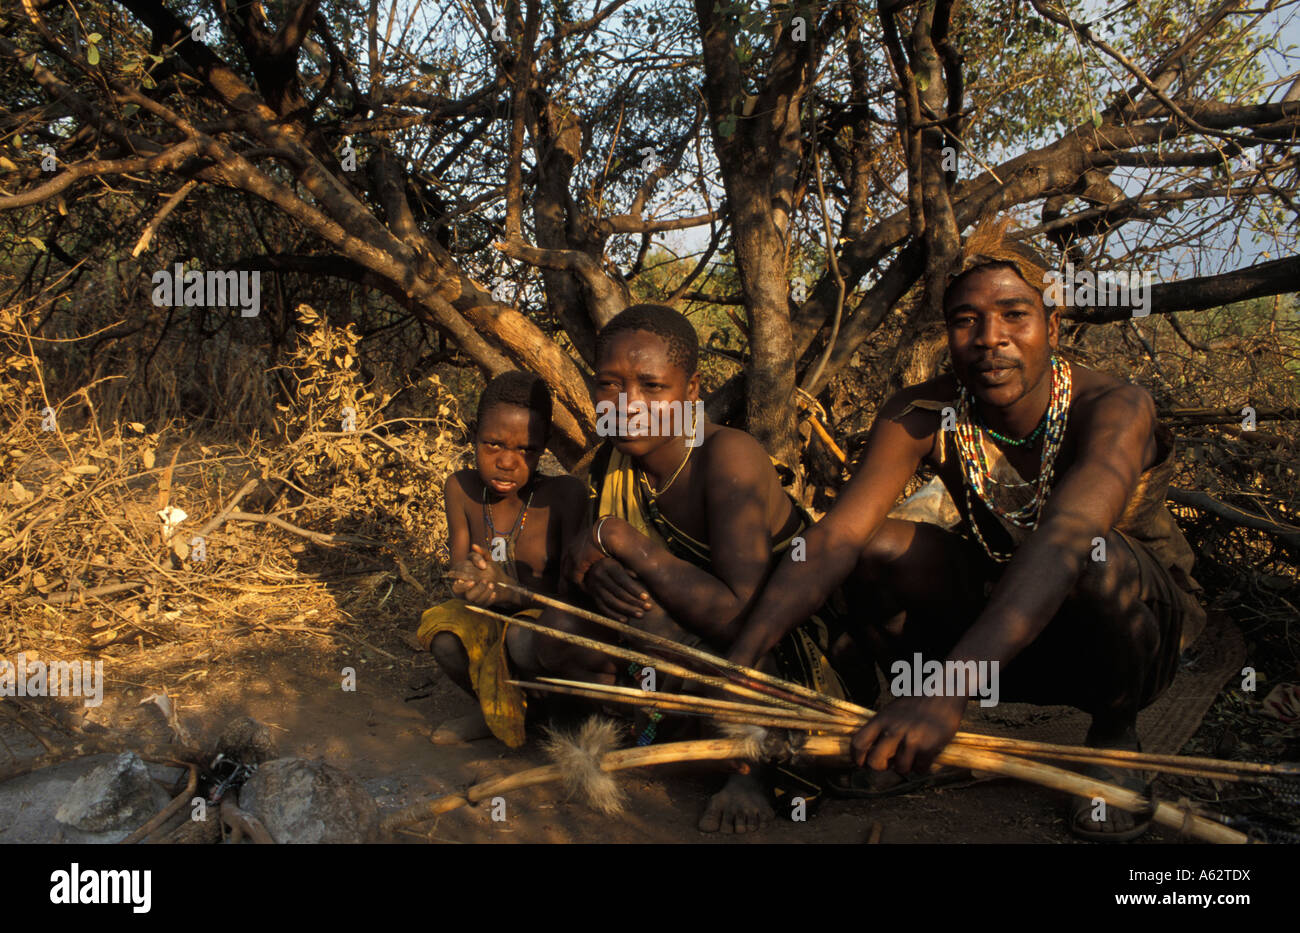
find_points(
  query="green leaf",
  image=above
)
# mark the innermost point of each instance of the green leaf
(94, 37)
(1096, 118)
(92, 55)
(157, 59)
(37, 242)
(922, 80)
(147, 82)
(130, 109)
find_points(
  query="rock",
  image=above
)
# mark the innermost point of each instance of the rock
(300, 801)
(247, 741)
(117, 794)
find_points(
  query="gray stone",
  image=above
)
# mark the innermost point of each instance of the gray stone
(117, 794)
(300, 801)
(248, 741)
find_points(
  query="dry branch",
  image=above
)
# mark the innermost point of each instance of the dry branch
(832, 749)
(166, 813)
(1288, 535)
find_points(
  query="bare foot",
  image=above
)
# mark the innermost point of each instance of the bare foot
(1103, 823)
(740, 807)
(1099, 822)
(462, 729)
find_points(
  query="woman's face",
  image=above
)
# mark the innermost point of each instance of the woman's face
(658, 395)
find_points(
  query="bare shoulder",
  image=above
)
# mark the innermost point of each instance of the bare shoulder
(458, 485)
(735, 454)
(919, 410)
(1101, 397)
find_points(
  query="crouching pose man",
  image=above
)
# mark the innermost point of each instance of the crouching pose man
(1066, 569)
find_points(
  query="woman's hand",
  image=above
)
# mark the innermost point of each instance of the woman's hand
(590, 549)
(616, 590)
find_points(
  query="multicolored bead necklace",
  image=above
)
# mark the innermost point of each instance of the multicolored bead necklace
(975, 466)
(514, 532)
(1013, 441)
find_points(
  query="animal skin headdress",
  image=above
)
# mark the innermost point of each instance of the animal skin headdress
(989, 243)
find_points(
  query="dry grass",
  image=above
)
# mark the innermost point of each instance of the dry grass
(309, 523)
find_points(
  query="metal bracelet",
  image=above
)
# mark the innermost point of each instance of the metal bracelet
(599, 543)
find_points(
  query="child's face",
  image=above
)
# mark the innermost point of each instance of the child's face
(509, 443)
(636, 364)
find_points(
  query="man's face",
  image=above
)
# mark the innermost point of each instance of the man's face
(509, 443)
(635, 363)
(999, 334)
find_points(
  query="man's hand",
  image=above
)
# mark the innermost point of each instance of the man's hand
(908, 734)
(474, 579)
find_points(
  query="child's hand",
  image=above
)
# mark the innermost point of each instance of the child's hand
(475, 579)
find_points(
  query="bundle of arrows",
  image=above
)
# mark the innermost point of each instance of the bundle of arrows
(775, 720)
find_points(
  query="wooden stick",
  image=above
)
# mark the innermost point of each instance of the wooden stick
(242, 822)
(1287, 534)
(94, 745)
(746, 676)
(768, 718)
(635, 696)
(1084, 758)
(1083, 786)
(628, 655)
(1113, 757)
(835, 747)
(1151, 759)
(700, 750)
(167, 812)
(775, 718)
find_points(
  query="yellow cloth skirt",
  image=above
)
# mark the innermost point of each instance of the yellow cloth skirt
(484, 639)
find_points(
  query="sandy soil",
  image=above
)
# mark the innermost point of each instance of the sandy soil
(380, 734)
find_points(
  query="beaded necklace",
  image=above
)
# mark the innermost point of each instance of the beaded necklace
(514, 532)
(1013, 441)
(975, 466)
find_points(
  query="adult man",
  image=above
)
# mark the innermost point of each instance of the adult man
(687, 521)
(1068, 572)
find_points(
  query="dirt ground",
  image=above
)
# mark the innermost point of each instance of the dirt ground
(291, 680)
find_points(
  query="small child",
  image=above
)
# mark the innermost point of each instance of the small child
(506, 524)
